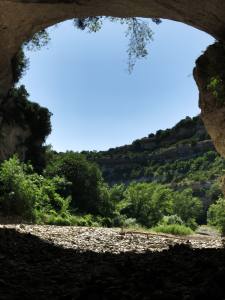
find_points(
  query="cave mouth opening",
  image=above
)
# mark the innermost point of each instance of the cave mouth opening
(89, 79)
(104, 105)
(96, 63)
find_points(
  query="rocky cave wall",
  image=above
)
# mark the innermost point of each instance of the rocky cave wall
(20, 19)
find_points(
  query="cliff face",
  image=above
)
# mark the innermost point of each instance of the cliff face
(209, 74)
(20, 19)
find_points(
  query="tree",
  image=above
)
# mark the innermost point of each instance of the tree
(30, 115)
(187, 207)
(85, 177)
(147, 202)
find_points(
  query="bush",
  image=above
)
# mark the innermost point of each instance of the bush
(216, 215)
(131, 222)
(171, 220)
(18, 192)
(57, 220)
(29, 195)
(173, 229)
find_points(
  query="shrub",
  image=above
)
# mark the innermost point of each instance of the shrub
(131, 222)
(29, 195)
(216, 215)
(18, 192)
(170, 220)
(173, 229)
(57, 220)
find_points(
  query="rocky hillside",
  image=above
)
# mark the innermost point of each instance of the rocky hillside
(187, 140)
(181, 157)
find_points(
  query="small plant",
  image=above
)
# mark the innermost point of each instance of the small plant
(216, 86)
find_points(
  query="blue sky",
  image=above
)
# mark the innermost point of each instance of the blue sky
(83, 80)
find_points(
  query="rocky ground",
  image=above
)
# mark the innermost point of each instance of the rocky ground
(50, 262)
(114, 240)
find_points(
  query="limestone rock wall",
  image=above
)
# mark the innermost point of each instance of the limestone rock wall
(210, 78)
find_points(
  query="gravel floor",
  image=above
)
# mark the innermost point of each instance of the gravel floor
(49, 262)
(113, 240)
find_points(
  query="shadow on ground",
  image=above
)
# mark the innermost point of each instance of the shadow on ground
(31, 268)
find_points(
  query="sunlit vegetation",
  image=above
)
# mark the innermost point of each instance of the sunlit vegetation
(71, 191)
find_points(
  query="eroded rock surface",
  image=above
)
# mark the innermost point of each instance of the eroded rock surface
(210, 78)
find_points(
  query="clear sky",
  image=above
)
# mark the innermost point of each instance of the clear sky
(83, 80)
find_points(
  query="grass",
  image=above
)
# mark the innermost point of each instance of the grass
(173, 229)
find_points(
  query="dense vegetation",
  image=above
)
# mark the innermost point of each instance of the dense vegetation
(179, 194)
(80, 196)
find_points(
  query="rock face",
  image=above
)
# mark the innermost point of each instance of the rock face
(20, 19)
(210, 77)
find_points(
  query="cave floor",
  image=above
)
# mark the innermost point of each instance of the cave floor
(51, 262)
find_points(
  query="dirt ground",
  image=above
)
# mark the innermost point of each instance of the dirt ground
(50, 262)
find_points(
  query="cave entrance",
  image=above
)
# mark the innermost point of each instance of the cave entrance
(96, 64)
(83, 79)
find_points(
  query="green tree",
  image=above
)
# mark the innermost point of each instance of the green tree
(85, 177)
(187, 207)
(147, 203)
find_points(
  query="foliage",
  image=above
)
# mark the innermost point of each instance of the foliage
(147, 203)
(175, 229)
(138, 32)
(216, 215)
(89, 194)
(187, 207)
(181, 157)
(19, 65)
(17, 191)
(38, 41)
(216, 86)
(28, 194)
(171, 220)
(30, 115)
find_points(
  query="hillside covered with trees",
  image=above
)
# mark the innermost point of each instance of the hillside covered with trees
(168, 182)
(181, 157)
